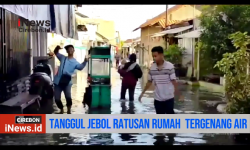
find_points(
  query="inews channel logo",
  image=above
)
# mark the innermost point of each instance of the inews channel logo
(33, 25)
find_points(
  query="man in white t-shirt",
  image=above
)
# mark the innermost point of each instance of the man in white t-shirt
(162, 75)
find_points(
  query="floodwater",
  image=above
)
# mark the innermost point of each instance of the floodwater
(194, 104)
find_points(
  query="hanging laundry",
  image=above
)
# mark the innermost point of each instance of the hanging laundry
(53, 18)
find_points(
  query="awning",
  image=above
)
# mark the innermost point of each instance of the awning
(126, 45)
(172, 31)
(101, 38)
(192, 34)
(85, 21)
(138, 40)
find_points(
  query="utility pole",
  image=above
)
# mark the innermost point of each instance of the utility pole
(193, 48)
(166, 24)
(166, 18)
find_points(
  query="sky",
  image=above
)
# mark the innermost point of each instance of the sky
(126, 17)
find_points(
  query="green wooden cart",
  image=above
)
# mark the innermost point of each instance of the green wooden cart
(100, 71)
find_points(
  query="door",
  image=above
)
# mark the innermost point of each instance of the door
(3, 91)
(2, 45)
(17, 56)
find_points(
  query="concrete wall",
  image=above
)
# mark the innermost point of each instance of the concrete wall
(197, 23)
(149, 42)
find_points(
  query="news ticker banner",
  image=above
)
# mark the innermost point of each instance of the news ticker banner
(125, 123)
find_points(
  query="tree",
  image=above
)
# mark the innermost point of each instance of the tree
(235, 66)
(174, 54)
(218, 23)
(122, 43)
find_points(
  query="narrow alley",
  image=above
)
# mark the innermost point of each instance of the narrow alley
(192, 43)
(192, 104)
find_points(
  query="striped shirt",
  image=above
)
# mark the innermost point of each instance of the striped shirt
(164, 89)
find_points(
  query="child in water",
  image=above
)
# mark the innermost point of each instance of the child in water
(123, 62)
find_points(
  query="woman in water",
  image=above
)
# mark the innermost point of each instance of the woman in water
(130, 74)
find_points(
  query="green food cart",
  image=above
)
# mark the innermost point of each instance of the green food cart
(99, 69)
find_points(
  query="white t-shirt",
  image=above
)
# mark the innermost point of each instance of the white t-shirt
(164, 89)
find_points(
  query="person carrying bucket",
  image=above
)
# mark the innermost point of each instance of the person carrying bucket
(130, 74)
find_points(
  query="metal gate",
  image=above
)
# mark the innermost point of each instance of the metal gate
(15, 47)
(14, 53)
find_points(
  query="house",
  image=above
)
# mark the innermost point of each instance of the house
(23, 43)
(187, 24)
(99, 32)
(127, 48)
(130, 46)
(138, 50)
(188, 40)
(19, 44)
(107, 29)
(156, 32)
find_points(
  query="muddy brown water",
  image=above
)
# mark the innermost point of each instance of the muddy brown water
(192, 104)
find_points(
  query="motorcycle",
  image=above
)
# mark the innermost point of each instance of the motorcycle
(41, 80)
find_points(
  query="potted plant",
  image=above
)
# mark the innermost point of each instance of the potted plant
(235, 67)
(174, 54)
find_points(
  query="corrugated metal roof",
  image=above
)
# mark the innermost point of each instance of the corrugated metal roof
(159, 17)
(172, 31)
(84, 21)
(192, 34)
(81, 15)
(137, 40)
(128, 41)
(101, 38)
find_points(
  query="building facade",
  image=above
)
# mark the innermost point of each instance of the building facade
(154, 32)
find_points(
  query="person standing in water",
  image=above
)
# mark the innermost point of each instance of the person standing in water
(162, 75)
(130, 73)
(117, 59)
(62, 79)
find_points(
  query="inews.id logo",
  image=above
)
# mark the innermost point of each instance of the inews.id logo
(33, 25)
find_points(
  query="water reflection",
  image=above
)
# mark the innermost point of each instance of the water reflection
(130, 109)
(192, 104)
(160, 140)
(61, 138)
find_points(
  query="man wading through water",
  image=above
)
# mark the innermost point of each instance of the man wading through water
(62, 79)
(162, 75)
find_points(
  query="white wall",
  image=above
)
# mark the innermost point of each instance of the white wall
(187, 44)
(91, 31)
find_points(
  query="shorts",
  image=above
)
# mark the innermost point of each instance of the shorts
(164, 107)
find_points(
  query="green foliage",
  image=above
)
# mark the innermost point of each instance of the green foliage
(235, 67)
(218, 23)
(174, 54)
(122, 43)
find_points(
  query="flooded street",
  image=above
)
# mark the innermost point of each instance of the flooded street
(194, 103)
